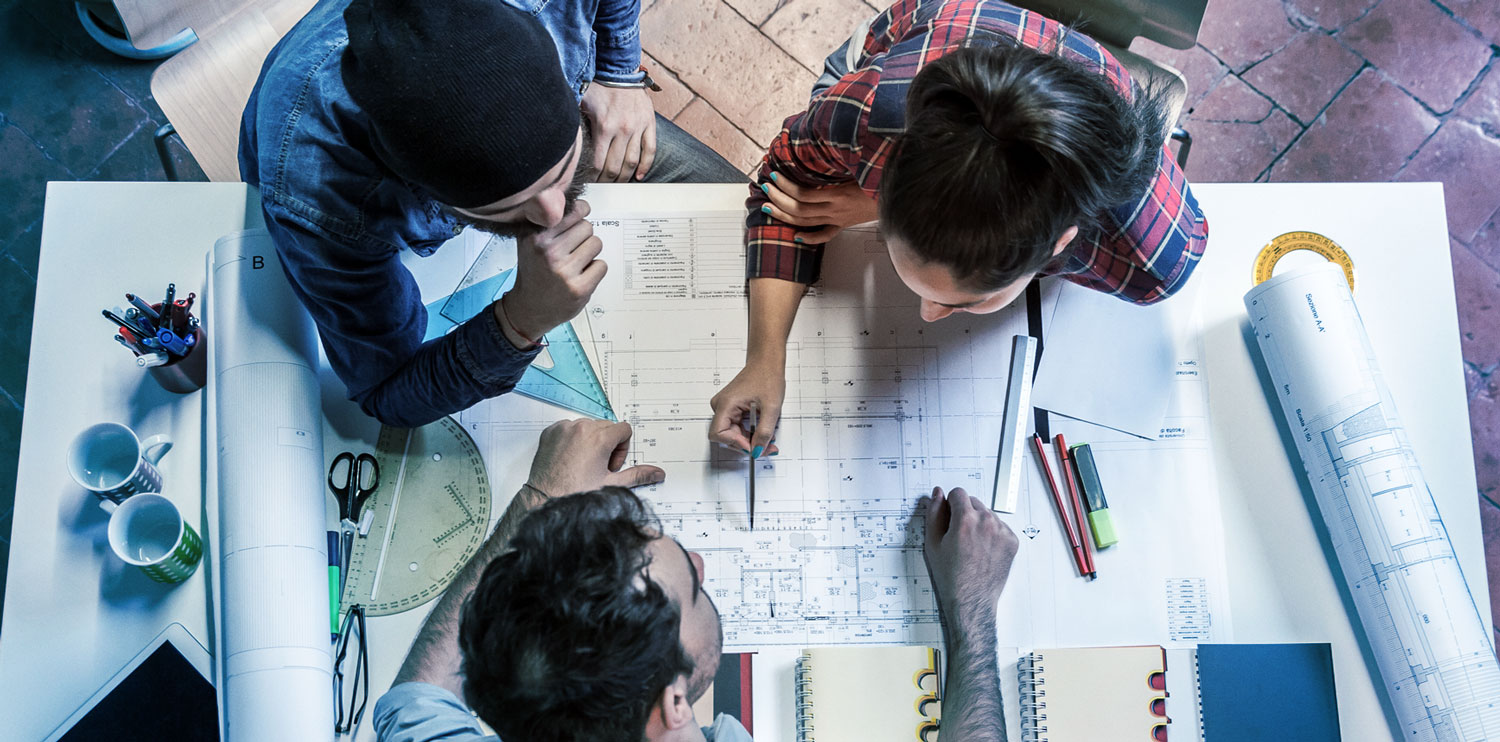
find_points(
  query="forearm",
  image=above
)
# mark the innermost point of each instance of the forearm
(972, 708)
(371, 321)
(773, 309)
(434, 656)
(473, 363)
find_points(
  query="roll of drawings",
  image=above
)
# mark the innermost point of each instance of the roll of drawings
(275, 662)
(1435, 657)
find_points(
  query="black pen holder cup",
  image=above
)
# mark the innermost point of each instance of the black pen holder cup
(187, 373)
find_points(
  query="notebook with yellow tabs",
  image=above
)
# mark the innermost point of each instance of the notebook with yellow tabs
(868, 694)
(1100, 694)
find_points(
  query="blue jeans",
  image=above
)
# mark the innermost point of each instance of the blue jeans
(835, 66)
(838, 64)
(681, 158)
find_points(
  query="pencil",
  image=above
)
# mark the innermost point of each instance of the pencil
(1062, 510)
(1066, 462)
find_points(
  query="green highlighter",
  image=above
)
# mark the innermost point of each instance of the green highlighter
(1087, 474)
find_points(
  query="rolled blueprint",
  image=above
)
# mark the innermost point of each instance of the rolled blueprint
(276, 662)
(1434, 655)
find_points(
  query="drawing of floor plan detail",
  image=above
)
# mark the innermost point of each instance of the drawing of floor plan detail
(809, 579)
(1430, 644)
(879, 408)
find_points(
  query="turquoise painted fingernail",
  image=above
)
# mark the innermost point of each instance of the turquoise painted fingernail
(774, 176)
(765, 209)
(755, 454)
(765, 188)
(773, 453)
(796, 239)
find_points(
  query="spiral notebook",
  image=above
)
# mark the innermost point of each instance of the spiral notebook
(1099, 694)
(868, 694)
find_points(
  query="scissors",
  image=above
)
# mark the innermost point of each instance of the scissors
(352, 494)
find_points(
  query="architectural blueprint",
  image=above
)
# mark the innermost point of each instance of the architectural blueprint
(1420, 619)
(880, 408)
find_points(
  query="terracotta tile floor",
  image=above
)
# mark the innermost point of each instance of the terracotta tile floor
(1281, 90)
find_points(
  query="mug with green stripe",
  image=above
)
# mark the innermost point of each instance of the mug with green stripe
(148, 531)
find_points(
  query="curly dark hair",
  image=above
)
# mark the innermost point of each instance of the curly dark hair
(1007, 146)
(564, 640)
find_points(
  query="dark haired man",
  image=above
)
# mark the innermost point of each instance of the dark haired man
(379, 126)
(592, 624)
(994, 145)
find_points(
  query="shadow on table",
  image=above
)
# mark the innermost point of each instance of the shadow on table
(120, 584)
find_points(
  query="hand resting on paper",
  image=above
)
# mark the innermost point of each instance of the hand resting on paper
(969, 552)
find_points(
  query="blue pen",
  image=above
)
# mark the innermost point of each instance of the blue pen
(173, 344)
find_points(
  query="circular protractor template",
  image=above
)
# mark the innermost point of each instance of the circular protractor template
(428, 516)
(1273, 252)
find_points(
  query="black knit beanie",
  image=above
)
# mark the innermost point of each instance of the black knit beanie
(466, 98)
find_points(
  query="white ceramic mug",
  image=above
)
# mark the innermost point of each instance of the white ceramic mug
(147, 531)
(112, 462)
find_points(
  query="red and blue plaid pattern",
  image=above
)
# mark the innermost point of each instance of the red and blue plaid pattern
(1142, 252)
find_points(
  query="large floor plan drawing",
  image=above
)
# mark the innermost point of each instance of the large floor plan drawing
(880, 407)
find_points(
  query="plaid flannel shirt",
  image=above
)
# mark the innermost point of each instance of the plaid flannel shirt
(1144, 250)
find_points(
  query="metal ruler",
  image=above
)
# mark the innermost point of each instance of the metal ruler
(428, 516)
(1013, 428)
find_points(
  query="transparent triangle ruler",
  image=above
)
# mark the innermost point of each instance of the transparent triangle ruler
(427, 517)
(562, 374)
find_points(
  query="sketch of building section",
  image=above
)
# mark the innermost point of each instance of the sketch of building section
(880, 407)
(1419, 616)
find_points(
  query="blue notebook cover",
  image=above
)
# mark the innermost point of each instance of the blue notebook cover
(1267, 693)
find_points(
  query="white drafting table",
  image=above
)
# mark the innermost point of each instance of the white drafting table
(73, 616)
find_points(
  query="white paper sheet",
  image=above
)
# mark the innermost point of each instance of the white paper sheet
(1104, 359)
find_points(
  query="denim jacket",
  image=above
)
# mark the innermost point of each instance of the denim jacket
(340, 219)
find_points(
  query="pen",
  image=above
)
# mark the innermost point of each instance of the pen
(1066, 462)
(121, 340)
(173, 344)
(143, 307)
(148, 360)
(138, 321)
(1062, 510)
(750, 485)
(333, 584)
(186, 307)
(166, 304)
(121, 321)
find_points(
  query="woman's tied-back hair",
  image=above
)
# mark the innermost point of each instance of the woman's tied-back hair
(1006, 147)
(565, 638)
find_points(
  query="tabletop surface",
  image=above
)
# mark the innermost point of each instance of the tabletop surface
(74, 614)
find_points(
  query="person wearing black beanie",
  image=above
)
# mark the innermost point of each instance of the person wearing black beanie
(379, 126)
